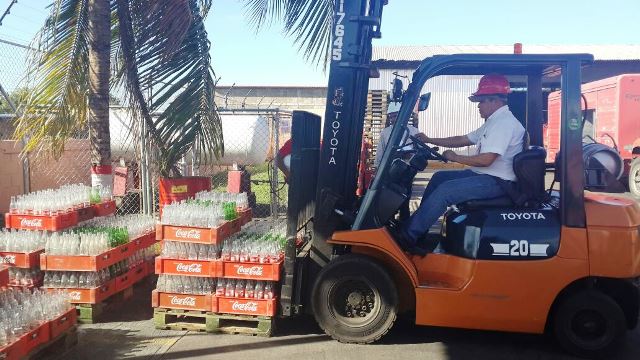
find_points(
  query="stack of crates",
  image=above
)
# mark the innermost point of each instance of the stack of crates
(375, 119)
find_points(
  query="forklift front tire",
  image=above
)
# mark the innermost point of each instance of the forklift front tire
(589, 324)
(354, 300)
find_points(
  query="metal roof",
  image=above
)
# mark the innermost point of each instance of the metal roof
(418, 53)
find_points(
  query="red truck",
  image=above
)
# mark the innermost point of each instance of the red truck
(612, 119)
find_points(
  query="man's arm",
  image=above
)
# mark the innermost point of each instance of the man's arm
(453, 141)
(480, 160)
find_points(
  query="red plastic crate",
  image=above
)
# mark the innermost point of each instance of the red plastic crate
(13, 351)
(104, 208)
(96, 262)
(196, 235)
(63, 323)
(21, 260)
(247, 270)
(245, 215)
(200, 268)
(4, 275)
(183, 301)
(85, 214)
(131, 277)
(42, 222)
(261, 307)
(89, 296)
(36, 337)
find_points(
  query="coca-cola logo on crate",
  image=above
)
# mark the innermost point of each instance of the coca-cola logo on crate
(8, 259)
(183, 301)
(250, 270)
(75, 295)
(249, 306)
(31, 222)
(189, 268)
(188, 234)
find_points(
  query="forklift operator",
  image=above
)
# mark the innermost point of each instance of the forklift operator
(497, 141)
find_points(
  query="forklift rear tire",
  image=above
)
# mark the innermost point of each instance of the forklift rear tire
(634, 177)
(355, 300)
(589, 324)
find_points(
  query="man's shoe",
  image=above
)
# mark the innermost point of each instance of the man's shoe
(405, 242)
(430, 241)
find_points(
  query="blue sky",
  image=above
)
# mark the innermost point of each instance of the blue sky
(243, 57)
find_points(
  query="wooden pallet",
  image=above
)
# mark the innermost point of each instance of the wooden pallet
(90, 313)
(176, 319)
(56, 348)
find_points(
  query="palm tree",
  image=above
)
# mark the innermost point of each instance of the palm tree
(307, 22)
(87, 47)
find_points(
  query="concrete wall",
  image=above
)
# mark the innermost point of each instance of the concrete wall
(311, 99)
(72, 168)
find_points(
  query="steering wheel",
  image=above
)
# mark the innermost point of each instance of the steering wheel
(433, 151)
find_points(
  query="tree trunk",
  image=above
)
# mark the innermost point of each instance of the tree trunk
(99, 58)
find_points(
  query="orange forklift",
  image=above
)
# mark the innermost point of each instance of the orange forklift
(565, 262)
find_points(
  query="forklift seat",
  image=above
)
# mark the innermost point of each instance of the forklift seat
(529, 168)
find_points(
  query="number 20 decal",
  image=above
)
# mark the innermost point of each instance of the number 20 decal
(519, 248)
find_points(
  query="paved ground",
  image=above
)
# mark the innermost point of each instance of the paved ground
(128, 333)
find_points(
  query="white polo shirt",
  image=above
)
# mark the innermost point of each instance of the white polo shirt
(501, 134)
(385, 134)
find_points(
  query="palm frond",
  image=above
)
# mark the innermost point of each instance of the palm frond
(183, 85)
(308, 22)
(128, 69)
(263, 13)
(56, 108)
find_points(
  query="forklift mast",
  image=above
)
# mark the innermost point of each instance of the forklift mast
(356, 23)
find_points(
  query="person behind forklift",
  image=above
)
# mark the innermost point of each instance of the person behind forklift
(283, 160)
(497, 141)
(392, 115)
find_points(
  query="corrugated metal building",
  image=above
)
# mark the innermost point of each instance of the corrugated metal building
(450, 112)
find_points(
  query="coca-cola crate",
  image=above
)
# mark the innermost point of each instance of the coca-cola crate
(36, 285)
(4, 275)
(131, 277)
(13, 351)
(183, 301)
(195, 234)
(86, 213)
(96, 262)
(21, 260)
(245, 215)
(104, 208)
(42, 222)
(63, 322)
(248, 270)
(201, 268)
(89, 296)
(40, 335)
(254, 307)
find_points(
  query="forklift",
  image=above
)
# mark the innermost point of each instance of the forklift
(564, 262)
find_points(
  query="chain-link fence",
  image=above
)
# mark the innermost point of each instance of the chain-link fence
(252, 139)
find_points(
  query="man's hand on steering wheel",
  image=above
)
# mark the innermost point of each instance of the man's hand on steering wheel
(433, 152)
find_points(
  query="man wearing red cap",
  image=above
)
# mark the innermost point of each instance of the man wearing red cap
(497, 141)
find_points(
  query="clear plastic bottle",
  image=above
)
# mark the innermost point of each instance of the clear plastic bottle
(240, 287)
(221, 285)
(230, 289)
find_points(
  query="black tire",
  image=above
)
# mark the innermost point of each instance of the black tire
(634, 177)
(589, 324)
(354, 300)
